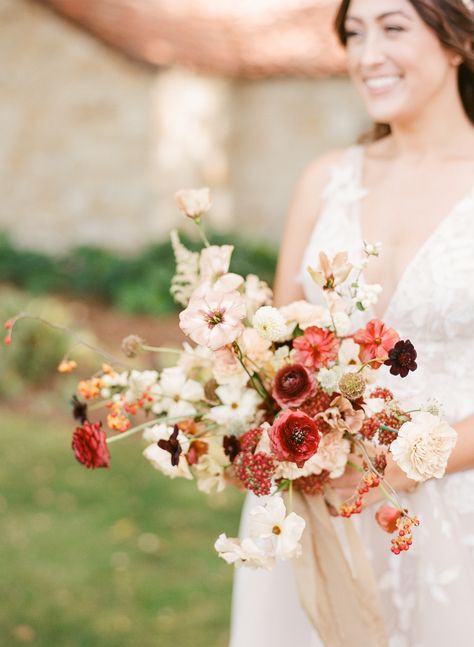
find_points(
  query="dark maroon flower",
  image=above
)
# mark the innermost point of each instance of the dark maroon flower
(89, 444)
(172, 446)
(79, 409)
(294, 437)
(401, 358)
(231, 446)
(293, 385)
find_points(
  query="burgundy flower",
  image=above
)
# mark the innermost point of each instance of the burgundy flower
(294, 437)
(172, 446)
(89, 444)
(401, 358)
(231, 446)
(293, 385)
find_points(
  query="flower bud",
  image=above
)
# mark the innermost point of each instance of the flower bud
(132, 345)
(194, 202)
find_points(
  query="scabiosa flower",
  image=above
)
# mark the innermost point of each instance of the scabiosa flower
(292, 385)
(214, 319)
(269, 323)
(352, 385)
(375, 341)
(294, 437)
(316, 348)
(401, 358)
(132, 345)
(89, 444)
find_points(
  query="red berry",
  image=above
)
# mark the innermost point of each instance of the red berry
(7, 341)
(8, 325)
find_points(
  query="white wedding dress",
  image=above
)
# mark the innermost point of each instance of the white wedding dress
(428, 592)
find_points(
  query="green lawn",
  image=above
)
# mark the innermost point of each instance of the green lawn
(111, 558)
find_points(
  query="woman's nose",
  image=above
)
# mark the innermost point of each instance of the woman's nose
(372, 52)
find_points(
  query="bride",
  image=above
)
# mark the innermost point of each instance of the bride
(410, 187)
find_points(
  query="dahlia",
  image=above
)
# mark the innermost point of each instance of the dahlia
(316, 348)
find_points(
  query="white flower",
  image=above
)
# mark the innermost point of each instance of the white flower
(196, 361)
(245, 552)
(367, 295)
(423, 446)
(254, 347)
(270, 521)
(341, 323)
(139, 382)
(160, 458)
(176, 393)
(372, 406)
(209, 474)
(226, 368)
(304, 314)
(256, 294)
(194, 202)
(281, 357)
(434, 407)
(329, 378)
(348, 352)
(269, 323)
(238, 404)
(213, 267)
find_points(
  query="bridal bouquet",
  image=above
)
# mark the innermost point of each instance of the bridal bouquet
(268, 399)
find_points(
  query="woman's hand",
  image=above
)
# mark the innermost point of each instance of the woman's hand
(346, 486)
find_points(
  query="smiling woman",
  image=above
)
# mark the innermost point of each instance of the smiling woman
(411, 186)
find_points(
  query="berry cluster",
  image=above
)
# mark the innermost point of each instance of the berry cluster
(255, 471)
(318, 403)
(312, 484)
(250, 439)
(370, 480)
(404, 539)
(372, 425)
(8, 325)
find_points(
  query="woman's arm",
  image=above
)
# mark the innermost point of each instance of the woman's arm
(302, 215)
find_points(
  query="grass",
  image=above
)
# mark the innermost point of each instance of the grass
(117, 558)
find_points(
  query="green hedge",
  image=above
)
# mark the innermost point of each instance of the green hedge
(138, 284)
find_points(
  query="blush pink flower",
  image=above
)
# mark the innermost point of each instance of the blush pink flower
(317, 348)
(214, 320)
(375, 341)
(214, 269)
(294, 437)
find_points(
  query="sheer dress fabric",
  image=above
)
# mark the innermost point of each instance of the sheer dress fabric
(428, 592)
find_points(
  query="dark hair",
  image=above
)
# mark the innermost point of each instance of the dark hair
(453, 23)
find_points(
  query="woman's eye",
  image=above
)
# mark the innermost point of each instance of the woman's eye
(393, 28)
(351, 34)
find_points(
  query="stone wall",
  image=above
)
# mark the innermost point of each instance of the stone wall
(94, 145)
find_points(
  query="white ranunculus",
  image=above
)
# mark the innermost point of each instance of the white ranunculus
(423, 446)
(270, 521)
(245, 552)
(269, 323)
(160, 458)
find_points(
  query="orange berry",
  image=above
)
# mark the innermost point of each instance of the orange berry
(8, 325)
(7, 341)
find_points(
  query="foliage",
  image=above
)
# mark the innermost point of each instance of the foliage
(88, 560)
(137, 284)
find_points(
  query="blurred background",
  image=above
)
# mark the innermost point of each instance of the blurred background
(107, 107)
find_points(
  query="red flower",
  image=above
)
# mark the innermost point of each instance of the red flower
(294, 437)
(316, 348)
(89, 444)
(292, 385)
(387, 518)
(375, 341)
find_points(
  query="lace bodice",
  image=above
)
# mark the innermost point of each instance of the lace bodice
(433, 303)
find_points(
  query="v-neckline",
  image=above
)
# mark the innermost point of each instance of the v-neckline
(419, 251)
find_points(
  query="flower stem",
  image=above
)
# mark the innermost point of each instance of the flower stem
(161, 349)
(290, 496)
(144, 425)
(201, 232)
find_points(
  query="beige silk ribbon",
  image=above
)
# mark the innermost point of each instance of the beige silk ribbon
(340, 598)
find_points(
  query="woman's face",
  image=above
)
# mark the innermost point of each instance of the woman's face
(397, 63)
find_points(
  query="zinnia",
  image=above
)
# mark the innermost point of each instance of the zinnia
(294, 437)
(89, 444)
(292, 385)
(316, 348)
(375, 341)
(213, 320)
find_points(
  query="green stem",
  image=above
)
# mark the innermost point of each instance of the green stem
(161, 349)
(254, 377)
(144, 425)
(201, 232)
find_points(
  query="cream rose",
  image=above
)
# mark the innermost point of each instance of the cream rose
(423, 446)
